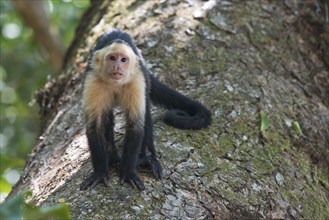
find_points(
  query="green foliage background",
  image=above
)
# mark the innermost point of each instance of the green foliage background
(24, 68)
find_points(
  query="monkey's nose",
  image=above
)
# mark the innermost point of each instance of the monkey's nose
(117, 68)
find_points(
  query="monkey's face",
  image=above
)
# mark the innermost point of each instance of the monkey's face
(115, 62)
(116, 65)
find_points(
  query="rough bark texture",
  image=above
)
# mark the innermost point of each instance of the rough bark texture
(237, 58)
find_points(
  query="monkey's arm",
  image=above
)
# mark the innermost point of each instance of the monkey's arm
(98, 144)
(132, 144)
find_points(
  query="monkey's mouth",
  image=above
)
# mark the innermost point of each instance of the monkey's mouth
(117, 75)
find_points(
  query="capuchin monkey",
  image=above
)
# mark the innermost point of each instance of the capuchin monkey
(116, 76)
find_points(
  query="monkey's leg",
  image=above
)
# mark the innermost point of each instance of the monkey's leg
(132, 143)
(151, 160)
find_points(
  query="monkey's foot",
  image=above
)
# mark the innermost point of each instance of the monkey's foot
(131, 178)
(94, 179)
(153, 164)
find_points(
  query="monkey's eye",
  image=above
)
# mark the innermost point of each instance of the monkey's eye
(112, 58)
(124, 60)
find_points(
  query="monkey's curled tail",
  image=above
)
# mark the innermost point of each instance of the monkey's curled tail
(183, 113)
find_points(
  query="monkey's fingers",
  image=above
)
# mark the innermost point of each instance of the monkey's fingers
(133, 180)
(84, 185)
(139, 183)
(156, 168)
(157, 172)
(93, 180)
(104, 180)
(153, 164)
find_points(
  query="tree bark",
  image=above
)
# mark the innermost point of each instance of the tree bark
(236, 57)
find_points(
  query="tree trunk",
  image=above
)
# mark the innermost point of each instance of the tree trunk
(236, 57)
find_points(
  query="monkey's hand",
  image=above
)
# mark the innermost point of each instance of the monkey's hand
(156, 168)
(94, 179)
(153, 164)
(132, 178)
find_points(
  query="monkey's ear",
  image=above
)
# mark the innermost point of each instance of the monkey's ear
(97, 57)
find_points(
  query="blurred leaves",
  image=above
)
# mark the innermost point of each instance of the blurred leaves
(24, 68)
(17, 208)
(9, 162)
(5, 186)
